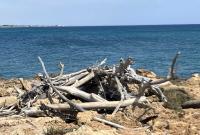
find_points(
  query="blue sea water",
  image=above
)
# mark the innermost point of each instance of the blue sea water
(152, 47)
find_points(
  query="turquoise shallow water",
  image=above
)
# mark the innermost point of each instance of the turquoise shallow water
(152, 47)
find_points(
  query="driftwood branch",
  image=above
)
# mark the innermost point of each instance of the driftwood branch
(109, 123)
(119, 87)
(75, 78)
(61, 69)
(99, 105)
(81, 94)
(191, 104)
(124, 64)
(25, 85)
(56, 91)
(34, 113)
(19, 91)
(84, 80)
(172, 71)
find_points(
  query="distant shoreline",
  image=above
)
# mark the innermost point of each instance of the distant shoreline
(28, 26)
(43, 26)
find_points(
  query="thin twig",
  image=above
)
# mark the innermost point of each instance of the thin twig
(61, 69)
(172, 71)
(109, 123)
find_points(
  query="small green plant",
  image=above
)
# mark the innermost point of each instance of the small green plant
(176, 97)
(54, 131)
(58, 131)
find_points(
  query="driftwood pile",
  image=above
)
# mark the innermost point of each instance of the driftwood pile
(100, 88)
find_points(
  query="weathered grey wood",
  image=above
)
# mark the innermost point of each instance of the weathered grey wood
(191, 104)
(119, 87)
(6, 113)
(73, 79)
(147, 83)
(156, 89)
(19, 91)
(99, 105)
(67, 76)
(124, 64)
(26, 86)
(84, 80)
(102, 62)
(56, 91)
(171, 70)
(75, 73)
(34, 113)
(171, 73)
(109, 123)
(97, 97)
(81, 94)
(62, 66)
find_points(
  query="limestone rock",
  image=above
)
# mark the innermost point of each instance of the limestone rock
(85, 117)
(6, 101)
(160, 125)
(146, 73)
(86, 130)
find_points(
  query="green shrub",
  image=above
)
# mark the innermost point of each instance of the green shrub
(176, 97)
(54, 131)
(59, 131)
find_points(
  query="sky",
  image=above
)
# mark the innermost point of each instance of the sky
(99, 12)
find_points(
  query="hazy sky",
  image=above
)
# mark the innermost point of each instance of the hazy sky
(99, 12)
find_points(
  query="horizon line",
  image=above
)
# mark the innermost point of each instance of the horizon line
(28, 25)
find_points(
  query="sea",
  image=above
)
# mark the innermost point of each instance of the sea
(152, 47)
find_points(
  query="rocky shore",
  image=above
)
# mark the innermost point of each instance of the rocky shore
(163, 119)
(103, 100)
